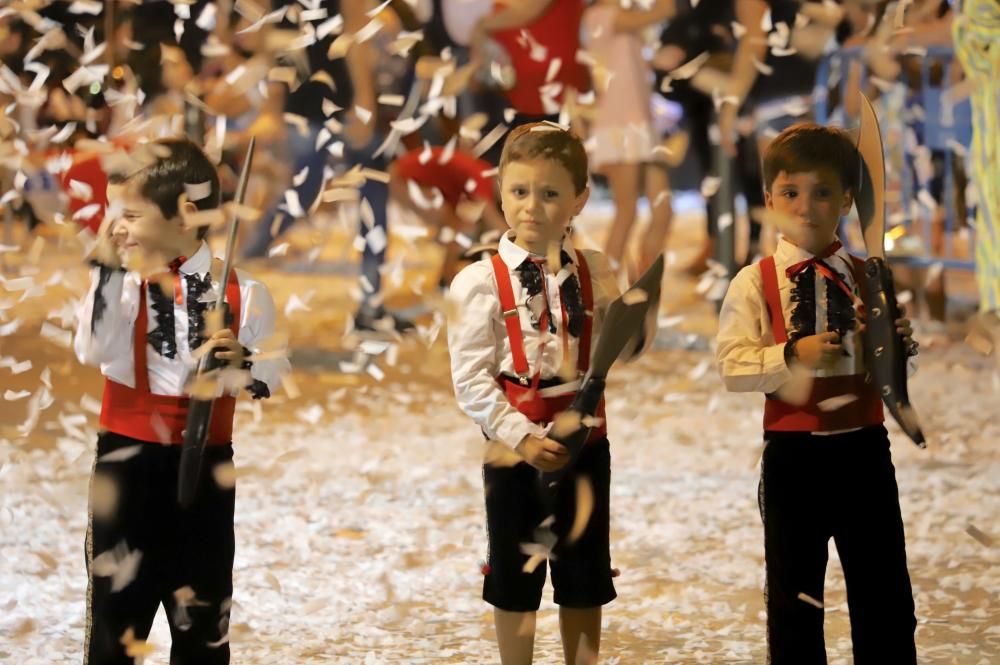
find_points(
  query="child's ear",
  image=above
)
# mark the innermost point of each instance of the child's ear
(847, 202)
(768, 201)
(187, 208)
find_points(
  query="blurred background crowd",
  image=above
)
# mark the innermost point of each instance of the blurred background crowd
(372, 110)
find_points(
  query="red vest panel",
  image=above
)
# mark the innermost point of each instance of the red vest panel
(523, 395)
(781, 416)
(139, 414)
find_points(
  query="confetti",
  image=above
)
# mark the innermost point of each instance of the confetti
(584, 508)
(933, 273)
(224, 474)
(533, 562)
(710, 185)
(979, 536)
(134, 648)
(278, 250)
(120, 564)
(103, 496)
(86, 7)
(57, 335)
(213, 217)
(121, 454)
(837, 402)
(500, 455)
(634, 296)
(690, 68)
(809, 599)
(198, 191)
(565, 423)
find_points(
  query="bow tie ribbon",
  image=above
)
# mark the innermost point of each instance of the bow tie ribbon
(175, 269)
(824, 269)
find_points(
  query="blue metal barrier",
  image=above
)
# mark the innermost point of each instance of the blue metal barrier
(943, 126)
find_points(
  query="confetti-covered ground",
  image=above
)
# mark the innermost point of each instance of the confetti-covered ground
(359, 510)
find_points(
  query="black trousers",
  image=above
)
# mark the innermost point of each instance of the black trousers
(581, 571)
(814, 488)
(143, 550)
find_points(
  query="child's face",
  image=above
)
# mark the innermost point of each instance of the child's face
(539, 201)
(810, 203)
(142, 232)
(116, 201)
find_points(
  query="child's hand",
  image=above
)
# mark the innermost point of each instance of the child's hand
(904, 327)
(816, 351)
(543, 453)
(229, 349)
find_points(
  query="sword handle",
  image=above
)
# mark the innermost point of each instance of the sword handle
(587, 399)
(199, 420)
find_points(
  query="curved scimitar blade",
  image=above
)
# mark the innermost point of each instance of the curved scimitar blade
(870, 197)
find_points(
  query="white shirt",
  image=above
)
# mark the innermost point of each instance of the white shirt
(749, 360)
(110, 343)
(480, 349)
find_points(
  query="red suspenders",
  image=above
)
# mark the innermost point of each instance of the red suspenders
(139, 414)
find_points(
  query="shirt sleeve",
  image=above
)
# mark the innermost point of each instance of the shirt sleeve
(473, 307)
(748, 363)
(104, 322)
(258, 318)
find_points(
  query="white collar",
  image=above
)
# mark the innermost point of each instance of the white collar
(788, 253)
(200, 262)
(197, 264)
(514, 255)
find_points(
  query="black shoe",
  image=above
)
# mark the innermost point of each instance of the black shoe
(381, 321)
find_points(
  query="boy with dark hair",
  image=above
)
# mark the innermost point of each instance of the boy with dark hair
(167, 178)
(520, 334)
(789, 328)
(145, 327)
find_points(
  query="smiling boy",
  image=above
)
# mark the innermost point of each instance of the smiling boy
(520, 334)
(145, 329)
(826, 470)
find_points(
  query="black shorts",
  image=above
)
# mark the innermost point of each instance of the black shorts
(581, 571)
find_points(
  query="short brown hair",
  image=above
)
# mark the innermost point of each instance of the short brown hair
(162, 182)
(807, 146)
(547, 140)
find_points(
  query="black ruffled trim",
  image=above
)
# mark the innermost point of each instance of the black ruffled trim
(803, 299)
(100, 303)
(259, 390)
(530, 275)
(840, 315)
(196, 288)
(162, 337)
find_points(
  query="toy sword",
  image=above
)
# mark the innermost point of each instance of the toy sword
(624, 320)
(885, 353)
(200, 410)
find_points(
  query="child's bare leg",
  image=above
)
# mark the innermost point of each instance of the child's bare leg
(661, 214)
(581, 634)
(515, 636)
(624, 182)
